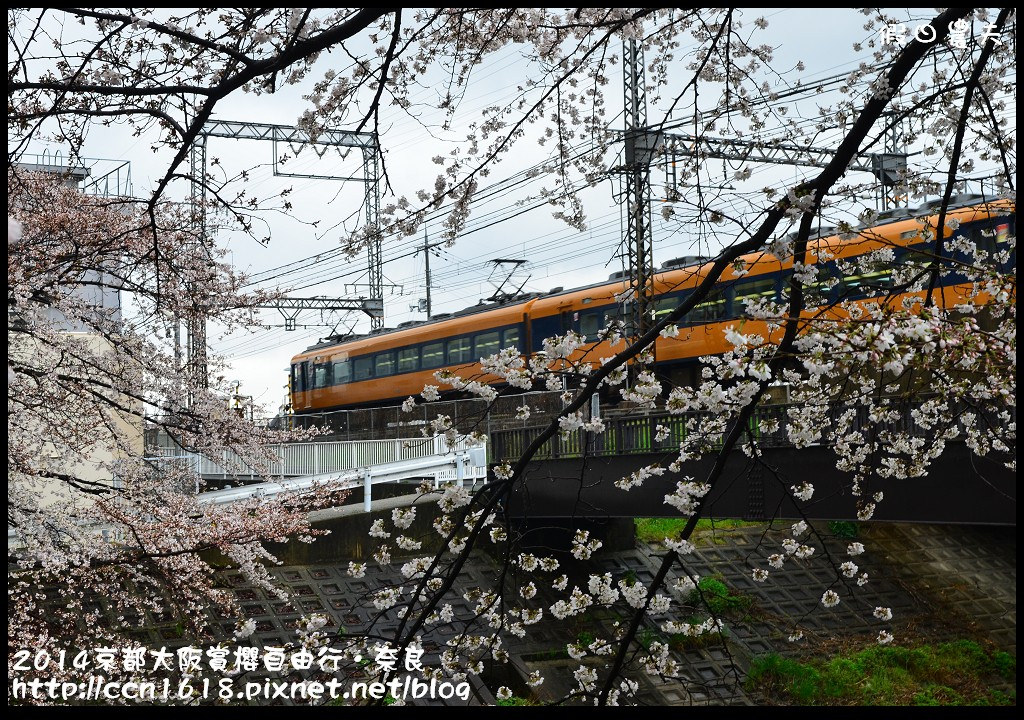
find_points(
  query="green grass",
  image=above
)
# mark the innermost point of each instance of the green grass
(646, 636)
(559, 653)
(654, 530)
(514, 701)
(716, 597)
(680, 642)
(843, 529)
(953, 673)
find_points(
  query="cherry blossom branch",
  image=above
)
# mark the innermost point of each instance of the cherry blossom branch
(954, 161)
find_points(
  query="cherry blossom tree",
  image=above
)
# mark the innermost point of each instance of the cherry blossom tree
(164, 74)
(97, 530)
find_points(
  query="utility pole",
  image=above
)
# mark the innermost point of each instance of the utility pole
(891, 167)
(640, 144)
(426, 262)
(371, 204)
(177, 343)
(427, 247)
(196, 321)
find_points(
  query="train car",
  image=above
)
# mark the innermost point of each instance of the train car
(383, 368)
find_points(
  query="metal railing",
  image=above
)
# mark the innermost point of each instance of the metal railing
(467, 415)
(633, 434)
(101, 177)
(463, 467)
(310, 458)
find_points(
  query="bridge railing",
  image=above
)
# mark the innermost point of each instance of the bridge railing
(466, 414)
(310, 458)
(639, 434)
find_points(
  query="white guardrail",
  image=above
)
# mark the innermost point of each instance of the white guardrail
(300, 466)
(313, 458)
(459, 467)
(361, 462)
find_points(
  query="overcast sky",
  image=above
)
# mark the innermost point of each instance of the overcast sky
(558, 256)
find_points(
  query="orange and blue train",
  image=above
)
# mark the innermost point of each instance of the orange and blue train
(385, 367)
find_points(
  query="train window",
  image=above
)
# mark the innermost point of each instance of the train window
(384, 364)
(433, 355)
(362, 367)
(664, 305)
(614, 313)
(713, 309)
(321, 375)
(408, 360)
(862, 285)
(819, 293)
(872, 282)
(753, 289)
(510, 339)
(909, 266)
(342, 371)
(297, 377)
(307, 381)
(459, 350)
(590, 324)
(983, 240)
(485, 344)
(989, 240)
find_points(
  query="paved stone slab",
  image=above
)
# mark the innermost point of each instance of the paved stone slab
(942, 583)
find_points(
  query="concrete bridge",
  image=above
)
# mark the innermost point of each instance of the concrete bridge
(575, 476)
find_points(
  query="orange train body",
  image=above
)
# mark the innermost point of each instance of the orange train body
(386, 367)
